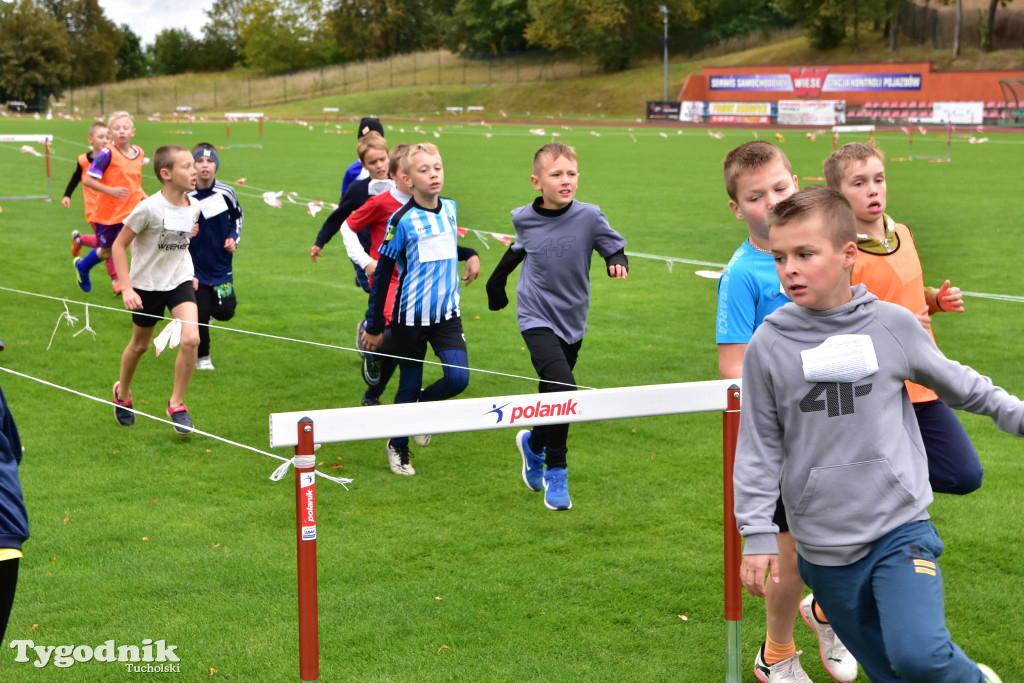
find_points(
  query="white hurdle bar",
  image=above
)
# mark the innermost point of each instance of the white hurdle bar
(302, 430)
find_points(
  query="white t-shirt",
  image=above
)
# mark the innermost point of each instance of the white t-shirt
(160, 260)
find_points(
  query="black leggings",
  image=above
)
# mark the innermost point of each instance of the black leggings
(213, 305)
(554, 360)
(8, 582)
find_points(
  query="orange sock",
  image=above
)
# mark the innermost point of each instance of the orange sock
(776, 652)
(818, 614)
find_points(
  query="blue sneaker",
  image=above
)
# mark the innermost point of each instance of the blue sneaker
(533, 464)
(360, 326)
(83, 276)
(370, 401)
(556, 489)
(371, 370)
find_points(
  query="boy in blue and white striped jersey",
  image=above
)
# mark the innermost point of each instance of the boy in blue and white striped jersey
(421, 241)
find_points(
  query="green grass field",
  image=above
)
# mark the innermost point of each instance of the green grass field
(457, 573)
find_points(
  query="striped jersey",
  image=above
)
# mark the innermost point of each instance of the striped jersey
(423, 245)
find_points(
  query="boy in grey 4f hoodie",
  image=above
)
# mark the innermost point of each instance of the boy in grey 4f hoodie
(826, 416)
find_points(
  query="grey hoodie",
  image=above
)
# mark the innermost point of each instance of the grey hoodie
(848, 455)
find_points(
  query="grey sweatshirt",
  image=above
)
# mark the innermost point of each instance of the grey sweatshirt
(848, 455)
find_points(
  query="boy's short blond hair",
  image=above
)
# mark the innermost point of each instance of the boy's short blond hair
(96, 126)
(164, 158)
(400, 152)
(424, 148)
(372, 140)
(840, 160)
(552, 150)
(838, 222)
(750, 156)
(119, 115)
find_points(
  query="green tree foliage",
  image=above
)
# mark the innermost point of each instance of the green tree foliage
(94, 40)
(488, 26)
(35, 57)
(378, 28)
(172, 51)
(223, 45)
(131, 57)
(281, 36)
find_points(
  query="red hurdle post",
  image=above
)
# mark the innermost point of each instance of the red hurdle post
(733, 594)
(305, 520)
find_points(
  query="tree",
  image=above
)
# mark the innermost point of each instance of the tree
(93, 39)
(172, 51)
(488, 26)
(593, 27)
(223, 44)
(34, 53)
(990, 23)
(131, 58)
(286, 35)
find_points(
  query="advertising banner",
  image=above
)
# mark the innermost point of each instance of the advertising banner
(663, 111)
(812, 112)
(740, 112)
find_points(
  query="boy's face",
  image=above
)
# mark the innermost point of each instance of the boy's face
(760, 190)
(182, 175)
(863, 185)
(426, 174)
(376, 163)
(99, 138)
(556, 181)
(813, 272)
(205, 168)
(122, 131)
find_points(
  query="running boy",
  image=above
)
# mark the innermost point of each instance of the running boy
(824, 413)
(117, 174)
(160, 227)
(888, 265)
(372, 219)
(555, 238)
(422, 241)
(99, 136)
(212, 249)
(758, 176)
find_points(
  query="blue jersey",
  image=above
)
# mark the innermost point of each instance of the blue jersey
(220, 218)
(748, 290)
(423, 244)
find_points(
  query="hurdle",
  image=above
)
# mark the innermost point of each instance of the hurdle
(337, 119)
(836, 130)
(302, 430)
(186, 112)
(243, 116)
(45, 140)
(935, 159)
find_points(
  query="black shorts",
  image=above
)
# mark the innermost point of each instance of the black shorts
(154, 303)
(410, 341)
(780, 516)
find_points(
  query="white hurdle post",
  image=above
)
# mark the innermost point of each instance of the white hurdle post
(295, 430)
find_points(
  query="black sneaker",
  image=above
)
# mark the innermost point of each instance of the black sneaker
(125, 418)
(179, 416)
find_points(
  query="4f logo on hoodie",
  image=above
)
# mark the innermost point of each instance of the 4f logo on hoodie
(834, 397)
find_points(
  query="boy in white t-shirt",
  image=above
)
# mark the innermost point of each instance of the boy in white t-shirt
(161, 227)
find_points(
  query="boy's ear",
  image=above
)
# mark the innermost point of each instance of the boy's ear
(735, 208)
(535, 181)
(849, 252)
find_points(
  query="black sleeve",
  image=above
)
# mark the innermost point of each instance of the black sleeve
(618, 259)
(357, 195)
(379, 293)
(76, 178)
(465, 253)
(496, 298)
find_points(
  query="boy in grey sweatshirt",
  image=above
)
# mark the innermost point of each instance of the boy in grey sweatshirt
(826, 416)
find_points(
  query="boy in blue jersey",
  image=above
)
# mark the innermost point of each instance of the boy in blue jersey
(212, 249)
(555, 238)
(758, 176)
(421, 240)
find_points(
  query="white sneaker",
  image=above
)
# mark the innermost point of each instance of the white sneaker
(423, 440)
(838, 661)
(786, 671)
(204, 363)
(399, 459)
(990, 675)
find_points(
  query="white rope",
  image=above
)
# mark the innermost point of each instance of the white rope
(276, 476)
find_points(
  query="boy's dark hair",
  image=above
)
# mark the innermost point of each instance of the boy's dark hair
(750, 156)
(838, 222)
(164, 158)
(839, 160)
(552, 150)
(372, 140)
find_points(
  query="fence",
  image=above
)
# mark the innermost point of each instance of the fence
(227, 91)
